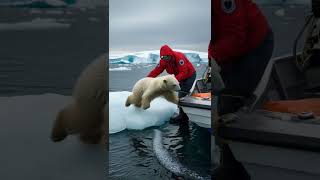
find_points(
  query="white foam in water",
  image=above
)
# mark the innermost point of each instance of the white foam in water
(121, 117)
(119, 69)
(168, 162)
(163, 155)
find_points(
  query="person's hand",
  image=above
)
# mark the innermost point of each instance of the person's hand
(207, 75)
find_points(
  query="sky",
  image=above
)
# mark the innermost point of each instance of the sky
(139, 25)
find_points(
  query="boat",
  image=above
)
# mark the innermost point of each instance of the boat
(276, 135)
(271, 143)
(197, 104)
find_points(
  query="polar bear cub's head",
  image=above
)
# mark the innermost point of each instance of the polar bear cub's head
(170, 83)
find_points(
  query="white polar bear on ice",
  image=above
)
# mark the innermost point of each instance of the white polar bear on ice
(147, 89)
(86, 115)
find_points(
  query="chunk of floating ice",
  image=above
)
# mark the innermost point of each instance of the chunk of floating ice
(121, 117)
(120, 69)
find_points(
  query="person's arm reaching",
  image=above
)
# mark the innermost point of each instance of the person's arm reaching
(157, 70)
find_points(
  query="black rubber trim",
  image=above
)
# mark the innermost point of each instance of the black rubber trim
(201, 106)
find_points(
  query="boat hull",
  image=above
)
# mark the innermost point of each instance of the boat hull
(202, 117)
(265, 162)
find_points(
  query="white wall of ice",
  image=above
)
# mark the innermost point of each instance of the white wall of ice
(121, 117)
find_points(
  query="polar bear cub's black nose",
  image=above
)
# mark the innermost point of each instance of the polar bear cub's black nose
(176, 87)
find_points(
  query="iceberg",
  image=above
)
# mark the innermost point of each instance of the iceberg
(119, 69)
(153, 57)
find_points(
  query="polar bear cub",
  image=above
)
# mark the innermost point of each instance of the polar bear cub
(147, 89)
(86, 114)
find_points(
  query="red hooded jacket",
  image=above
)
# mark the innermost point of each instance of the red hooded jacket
(238, 27)
(180, 66)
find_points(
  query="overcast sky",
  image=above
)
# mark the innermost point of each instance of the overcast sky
(138, 25)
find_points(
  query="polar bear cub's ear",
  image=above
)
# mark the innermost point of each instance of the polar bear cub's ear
(174, 76)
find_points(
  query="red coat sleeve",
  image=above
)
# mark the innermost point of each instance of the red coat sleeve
(231, 23)
(157, 70)
(182, 69)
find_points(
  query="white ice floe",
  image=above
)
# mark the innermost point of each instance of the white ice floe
(35, 24)
(153, 57)
(119, 69)
(121, 117)
(26, 123)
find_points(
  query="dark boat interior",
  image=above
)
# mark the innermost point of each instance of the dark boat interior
(258, 124)
(285, 108)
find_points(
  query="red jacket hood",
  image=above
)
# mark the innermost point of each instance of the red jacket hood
(166, 50)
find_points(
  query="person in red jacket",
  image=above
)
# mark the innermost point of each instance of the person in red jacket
(242, 45)
(176, 63)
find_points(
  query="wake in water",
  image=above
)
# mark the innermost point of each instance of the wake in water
(168, 162)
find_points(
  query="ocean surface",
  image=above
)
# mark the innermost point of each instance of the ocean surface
(44, 50)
